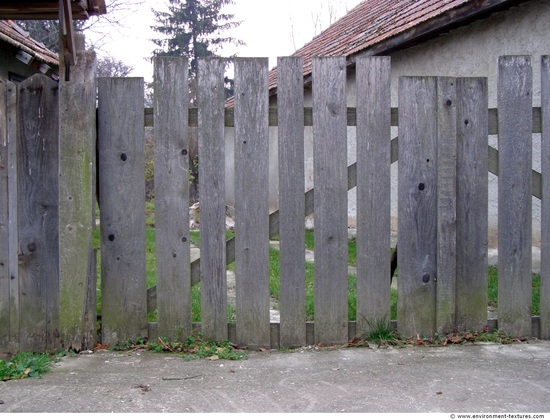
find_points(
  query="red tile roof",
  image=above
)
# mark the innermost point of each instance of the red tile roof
(371, 22)
(12, 34)
(376, 27)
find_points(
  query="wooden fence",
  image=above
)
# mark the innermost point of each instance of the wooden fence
(47, 277)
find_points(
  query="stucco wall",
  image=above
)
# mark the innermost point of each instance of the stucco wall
(470, 51)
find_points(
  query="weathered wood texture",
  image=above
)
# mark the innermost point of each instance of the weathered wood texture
(251, 202)
(122, 200)
(290, 98)
(514, 194)
(417, 195)
(446, 204)
(211, 101)
(471, 205)
(9, 295)
(330, 178)
(545, 205)
(172, 198)
(373, 191)
(38, 213)
(77, 141)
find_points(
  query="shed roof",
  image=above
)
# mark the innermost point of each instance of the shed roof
(49, 9)
(12, 34)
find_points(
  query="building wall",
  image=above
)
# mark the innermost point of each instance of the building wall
(10, 64)
(470, 51)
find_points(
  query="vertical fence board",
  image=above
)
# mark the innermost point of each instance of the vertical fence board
(417, 195)
(290, 99)
(122, 208)
(330, 177)
(251, 202)
(514, 194)
(472, 204)
(8, 249)
(373, 191)
(172, 198)
(545, 205)
(211, 100)
(13, 228)
(38, 208)
(446, 204)
(77, 141)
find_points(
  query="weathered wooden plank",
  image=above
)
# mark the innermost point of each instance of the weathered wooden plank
(211, 101)
(38, 212)
(417, 195)
(122, 199)
(446, 204)
(330, 177)
(172, 198)
(251, 203)
(373, 191)
(8, 221)
(545, 204)
(514, 99)
(471, 205)
(292, 300)
(77, 140)
(13, 227)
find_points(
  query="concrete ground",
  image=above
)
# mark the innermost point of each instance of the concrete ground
(480, 378)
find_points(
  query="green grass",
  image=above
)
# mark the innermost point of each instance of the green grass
(25, 365)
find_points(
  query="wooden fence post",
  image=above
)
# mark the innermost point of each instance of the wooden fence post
(251, 202)
(77, 143)
(121, 174)
(211, 101)
(38, 213)
(172, 198)
(471, 204)
(290, 99)
(373, 77)
(545, 206)
(331, 221)
(417, 190)
(9, 287)
(515, 123)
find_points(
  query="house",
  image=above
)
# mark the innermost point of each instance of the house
(461, 38)
(22, 56)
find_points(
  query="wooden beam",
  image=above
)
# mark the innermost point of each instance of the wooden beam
(66, 35)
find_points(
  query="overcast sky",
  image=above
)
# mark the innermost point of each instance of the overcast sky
(270, 28)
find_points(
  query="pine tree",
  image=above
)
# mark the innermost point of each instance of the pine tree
(194, 29)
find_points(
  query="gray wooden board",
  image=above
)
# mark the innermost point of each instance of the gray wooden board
(472, 205)
(446, 203)
(5, 255)
(545, 205)
(172, 198)
(13, 229)
(211, 101)
(290, 99)
(330, 178)
(251, 202)
(122, 199)
(417, 195)
(373, 191)
(514, 194)
(77, 140)
(37, 154)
